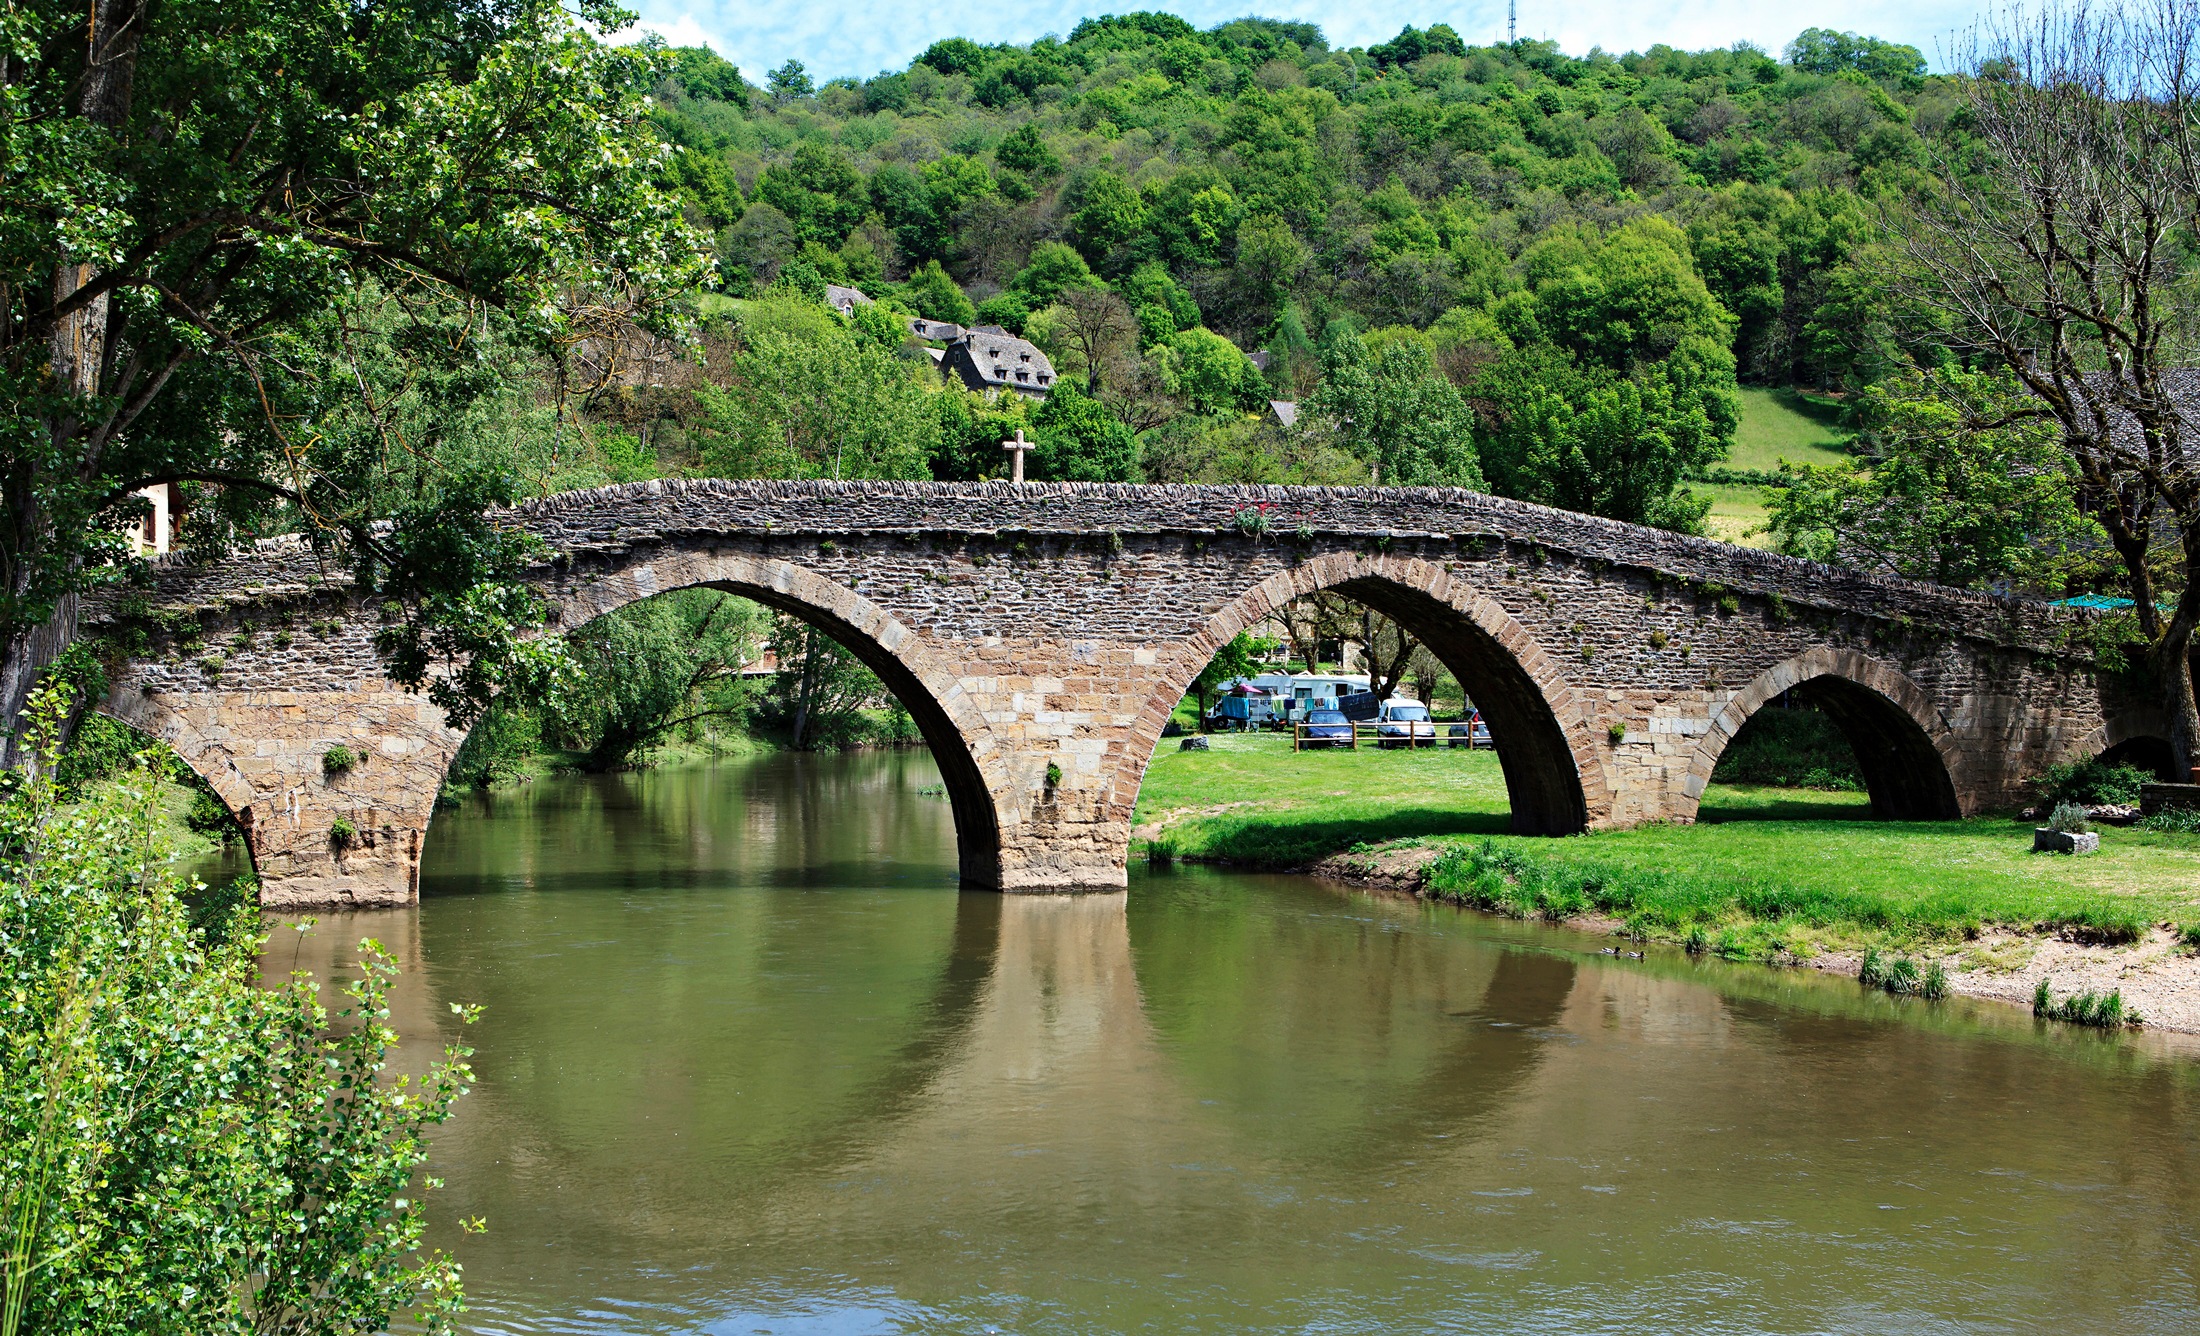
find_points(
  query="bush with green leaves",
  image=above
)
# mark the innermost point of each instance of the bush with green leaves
(182, 1147)
(2070, 819)
(2093, 783)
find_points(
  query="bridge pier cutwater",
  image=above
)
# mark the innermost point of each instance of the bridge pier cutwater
(1040, 636)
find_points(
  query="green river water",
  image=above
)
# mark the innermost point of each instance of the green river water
(751, 1063)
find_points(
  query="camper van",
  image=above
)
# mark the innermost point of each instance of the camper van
(1275, 699)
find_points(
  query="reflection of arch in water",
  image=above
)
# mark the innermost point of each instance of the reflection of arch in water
(1554, 770)
(958, 736)
(1907, 753)
(1432, 1030)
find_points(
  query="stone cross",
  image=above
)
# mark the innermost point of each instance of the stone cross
(1016, 450)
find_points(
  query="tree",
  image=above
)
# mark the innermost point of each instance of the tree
(1393, 411)
(2055, 246)
(936, 296)
(1025, 150)
(1212, 375)
(1054, 268)
(810, 397)
(789, 83)
(822, 690)
(655, 667)
(1079, 440)
(215, 181)
(1945, 499)
(184, 1147)
(1097, 328)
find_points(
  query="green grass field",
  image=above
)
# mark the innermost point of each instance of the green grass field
(1776, 425)
(1775, 869)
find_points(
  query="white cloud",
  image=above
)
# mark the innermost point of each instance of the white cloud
(834, 40)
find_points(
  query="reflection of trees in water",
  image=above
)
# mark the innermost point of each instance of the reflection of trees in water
(782, 819)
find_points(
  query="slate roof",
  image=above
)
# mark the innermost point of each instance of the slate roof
(845, 300)
(937, 330)
(1286, 411)
(991, 358)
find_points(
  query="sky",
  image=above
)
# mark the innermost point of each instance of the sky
(863, 37)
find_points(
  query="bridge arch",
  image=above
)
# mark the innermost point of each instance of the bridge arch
(209, 757)
(2130, 737)
(971, 765)
(1554, 771)
(1909, 755)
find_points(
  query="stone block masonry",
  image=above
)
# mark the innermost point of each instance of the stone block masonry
(1040, 635)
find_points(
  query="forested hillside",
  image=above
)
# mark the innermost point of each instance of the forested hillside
(1576, 255)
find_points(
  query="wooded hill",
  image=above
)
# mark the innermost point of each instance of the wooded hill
(1258, 181)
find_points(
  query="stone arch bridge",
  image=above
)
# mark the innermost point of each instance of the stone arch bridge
(1041, 635)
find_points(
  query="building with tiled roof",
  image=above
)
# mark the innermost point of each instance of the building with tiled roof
(845, 300)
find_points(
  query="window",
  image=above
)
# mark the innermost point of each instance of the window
(1023, 357)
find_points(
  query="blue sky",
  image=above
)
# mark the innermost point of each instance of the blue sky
(862, 38)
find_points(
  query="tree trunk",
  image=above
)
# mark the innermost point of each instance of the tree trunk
(78, 355)
(806, 693)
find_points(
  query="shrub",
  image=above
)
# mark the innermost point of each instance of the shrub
(2070, 819)
(1790, 748)
(338, 761)
(2093, 783)
(184, 1146)
(2174, 820)
(342, 833)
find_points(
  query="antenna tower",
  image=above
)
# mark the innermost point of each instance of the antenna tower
(1512, 21)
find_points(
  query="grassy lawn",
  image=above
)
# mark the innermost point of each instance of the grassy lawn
(1776, 425)
(1785, 424)
(1764, 871)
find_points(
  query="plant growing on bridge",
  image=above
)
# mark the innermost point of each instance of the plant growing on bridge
(183, 1148)
(338, 761)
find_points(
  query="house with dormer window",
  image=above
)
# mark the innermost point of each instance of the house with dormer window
(991, 359)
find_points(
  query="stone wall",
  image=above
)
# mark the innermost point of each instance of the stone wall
(1056, 626)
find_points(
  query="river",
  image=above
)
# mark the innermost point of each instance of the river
(750, 1063)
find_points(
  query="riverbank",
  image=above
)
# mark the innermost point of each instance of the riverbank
(1780, 876)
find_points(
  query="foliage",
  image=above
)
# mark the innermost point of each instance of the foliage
(498, 747)
(211, 200)
(1942, 497)
(655, 667)
(1239, 658)
(1790, 748)
(808, 396)
(2093, 782)
(1080, 441)
(823, 697)
(2070, 818)
(182, 1147)
(2104, 1012)
(1395, 413)
(337, 761)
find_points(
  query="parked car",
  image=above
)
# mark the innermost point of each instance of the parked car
(1326, 728)
(1404, 723)
(1472, 733)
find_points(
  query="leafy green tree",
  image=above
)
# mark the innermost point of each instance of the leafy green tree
(212, 184)
(1394, 412)
(790, 83)
(818, 190)
(1079, 440)
(1944, 498)
(809, 397)
(1212, 375)
(1054, 268)
(971, 430)
(1025, 150)
(657, 667)
(936, 296)
(1620, 379)
(705, 73)
(1109, 218)
(182, 1146)
(823, 693)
